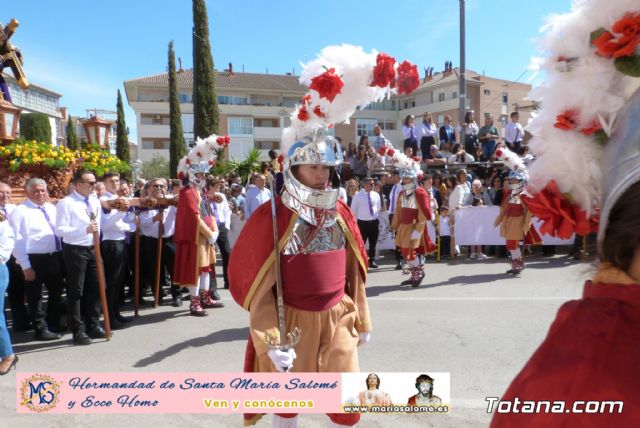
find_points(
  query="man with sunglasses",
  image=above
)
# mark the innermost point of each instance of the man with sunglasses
(77, 218)
(149, 224)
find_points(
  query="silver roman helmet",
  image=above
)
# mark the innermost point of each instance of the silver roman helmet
(313, 149)
(409, 173)
(621, 166)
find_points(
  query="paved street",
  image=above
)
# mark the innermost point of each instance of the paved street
(469, 318)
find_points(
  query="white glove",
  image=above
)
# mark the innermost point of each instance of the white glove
(214, 238)
(415, 235)
(364, 338)
(282, 359)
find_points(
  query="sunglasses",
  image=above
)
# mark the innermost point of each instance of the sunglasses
(90, 183)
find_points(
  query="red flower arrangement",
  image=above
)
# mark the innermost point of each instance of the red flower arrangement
(622, 40)
(566, 120)
(408, 78)
(303, 114)
(382, 151)
(384, 73)
(391, 152)
(328, 84)
(560, 217)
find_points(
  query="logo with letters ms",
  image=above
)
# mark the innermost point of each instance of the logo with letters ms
(40, 393)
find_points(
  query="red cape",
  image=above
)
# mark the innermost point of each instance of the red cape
(185, 237)
(253, 252)
(592, 352)
(423, 201)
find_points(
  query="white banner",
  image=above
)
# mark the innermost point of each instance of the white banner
(474, 226)
(386, 238)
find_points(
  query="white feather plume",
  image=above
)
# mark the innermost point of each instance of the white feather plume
(576, 79)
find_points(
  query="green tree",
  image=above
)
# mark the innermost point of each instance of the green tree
(205, 102)
(158, 166)
(177, 148)
(122, 140)
(72, 138)
(35, 126)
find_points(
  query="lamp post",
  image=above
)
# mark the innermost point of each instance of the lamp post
(97, 130)
(9, 116)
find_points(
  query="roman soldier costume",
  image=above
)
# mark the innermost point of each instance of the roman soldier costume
(196, 231)
(314, 298)
(515, 221)
(413, 210)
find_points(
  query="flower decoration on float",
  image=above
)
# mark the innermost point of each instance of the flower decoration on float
(591, 66)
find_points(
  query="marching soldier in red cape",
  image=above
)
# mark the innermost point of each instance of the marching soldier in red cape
(515, 221)
(413, 210)
(323, 269)
(196, 230)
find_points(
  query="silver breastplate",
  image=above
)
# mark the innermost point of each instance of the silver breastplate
(306, 238)
(408, 202)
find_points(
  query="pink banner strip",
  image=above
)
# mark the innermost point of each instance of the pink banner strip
(217, 393)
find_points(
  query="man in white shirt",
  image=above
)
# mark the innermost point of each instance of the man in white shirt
(149, 227)
(396, 183)
(77, 219)
(38, 251)
(366, 206)
(514, 133)
(115, 224)
(256, 196)
(15, 290)
(222, 213)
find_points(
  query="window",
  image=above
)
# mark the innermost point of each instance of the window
(233, 100)
(441, 96)
(505, 98)
(454, 95)
(185, 98)
(365, 126)
(441, 119)
(388, 126)
(487, 92)
(240, 126)
(266, 123)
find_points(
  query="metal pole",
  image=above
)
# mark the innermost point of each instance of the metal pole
(463, 83)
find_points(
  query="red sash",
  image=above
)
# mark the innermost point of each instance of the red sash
(514, 210)
(313, 282)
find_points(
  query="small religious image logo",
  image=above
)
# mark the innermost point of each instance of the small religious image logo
(40, 393)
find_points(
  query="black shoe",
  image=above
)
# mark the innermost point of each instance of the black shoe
(215, 295)
(398, 266)
(373, 265)
(97, 333)
(116, 325)
(81, 339)
(121, 318)
(44, 335)
(176, 299)
(226, 286)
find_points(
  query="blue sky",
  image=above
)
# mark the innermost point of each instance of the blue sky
(86, 50)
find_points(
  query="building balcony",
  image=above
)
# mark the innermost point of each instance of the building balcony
(267, 133)
(154, 131)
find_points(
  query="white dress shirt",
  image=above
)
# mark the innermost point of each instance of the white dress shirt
(445, 229)
(72, 219)
(360, 205)
(223, 209)
(115, 224)
(457, 197)
(426, 130)
(149, 228)
(342, 194)
(513, 132)
(33, 235)
(6, 241)
(393, 197)
(407, 132)
(255, 198)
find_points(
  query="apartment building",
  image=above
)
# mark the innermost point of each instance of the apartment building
(254, 108)
(38, 99)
